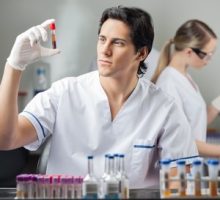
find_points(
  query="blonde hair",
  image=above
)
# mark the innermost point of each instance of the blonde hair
(192, 34)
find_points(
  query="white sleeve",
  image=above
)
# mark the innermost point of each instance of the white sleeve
(177, 141)
(170, 88)
(41, 112)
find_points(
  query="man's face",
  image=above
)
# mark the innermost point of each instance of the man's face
(116, 52)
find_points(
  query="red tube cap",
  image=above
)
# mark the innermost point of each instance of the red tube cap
(52, 26)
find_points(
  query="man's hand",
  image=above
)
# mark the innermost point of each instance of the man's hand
(27, 48)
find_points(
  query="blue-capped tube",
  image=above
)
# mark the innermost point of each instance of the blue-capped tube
(196, 175)
(165, 178)
(213, 165)
(182, 177)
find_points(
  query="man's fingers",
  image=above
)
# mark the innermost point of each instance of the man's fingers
(48, 52)
(46, 23)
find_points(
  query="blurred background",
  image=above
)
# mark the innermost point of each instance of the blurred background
(77, 25)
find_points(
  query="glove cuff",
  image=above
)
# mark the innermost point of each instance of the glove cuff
(14, 66)
(216, 103)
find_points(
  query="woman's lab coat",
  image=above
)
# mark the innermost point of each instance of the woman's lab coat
(75, 110)
(188, 98)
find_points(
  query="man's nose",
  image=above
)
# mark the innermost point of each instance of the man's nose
(107, 49)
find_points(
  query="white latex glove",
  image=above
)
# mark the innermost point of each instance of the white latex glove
(27, 48)
(216, 103)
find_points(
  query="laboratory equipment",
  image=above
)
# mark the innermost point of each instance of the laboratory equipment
(213, 175)
(182, 177)
(53, 35)
(90, 183)
(164, 178)
(111, 183)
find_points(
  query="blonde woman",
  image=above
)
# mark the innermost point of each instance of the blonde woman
(192, 46)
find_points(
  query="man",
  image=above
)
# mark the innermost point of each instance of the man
(106, 111)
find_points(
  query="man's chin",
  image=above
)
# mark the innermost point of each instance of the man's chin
(104, 73)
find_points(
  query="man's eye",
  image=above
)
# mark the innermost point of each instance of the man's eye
(119, 43)
(101, 39)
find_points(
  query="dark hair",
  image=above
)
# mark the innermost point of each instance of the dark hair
(140, 24)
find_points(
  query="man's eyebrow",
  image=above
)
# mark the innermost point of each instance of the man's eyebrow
(113, 38)
(121, 39)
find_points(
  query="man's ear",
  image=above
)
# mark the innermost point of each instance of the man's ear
(142, 53)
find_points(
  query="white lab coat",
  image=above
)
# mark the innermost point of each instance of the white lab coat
(188, 99)
(76, 112)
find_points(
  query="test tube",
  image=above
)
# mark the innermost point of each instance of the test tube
(48, 187)
(67, 187)
(41, 187)
(53, 35)
(213, 175)
(55, 186)
(33, 187)
(164, 178)
(182, 177)
(78, 187)
(26, 179)
(196, 173)
(20, 187)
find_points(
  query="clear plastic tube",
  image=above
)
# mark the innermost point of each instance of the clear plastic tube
(182, 177)
(78, 187)
(196, 174)
(67, 187)
(213, 174)
(55, 187)
(48, 187)
(41, 187)
(164, 178)
(20, 186)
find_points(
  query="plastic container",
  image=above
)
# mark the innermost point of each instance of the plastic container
(40, 80)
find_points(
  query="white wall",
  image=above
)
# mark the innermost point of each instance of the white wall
(77, 24)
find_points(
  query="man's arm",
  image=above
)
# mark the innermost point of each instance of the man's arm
(17, 131)
(13, 129)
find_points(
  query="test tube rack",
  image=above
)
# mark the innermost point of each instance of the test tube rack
(204, 186)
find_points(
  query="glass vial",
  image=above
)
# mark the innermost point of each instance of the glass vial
(40, 80)
(111, 183)
(90, 183)
(122, 178)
